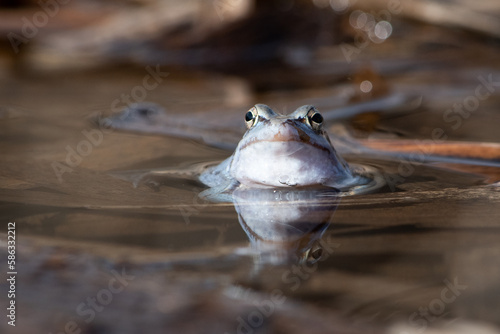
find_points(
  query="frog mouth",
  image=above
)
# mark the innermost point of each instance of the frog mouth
(287, 132)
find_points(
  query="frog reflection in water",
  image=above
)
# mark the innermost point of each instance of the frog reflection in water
(286, 225)
(283, 151)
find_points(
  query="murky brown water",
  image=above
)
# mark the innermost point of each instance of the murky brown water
(385, 255)
(421, 252)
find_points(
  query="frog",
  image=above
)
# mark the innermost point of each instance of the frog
(283, 151)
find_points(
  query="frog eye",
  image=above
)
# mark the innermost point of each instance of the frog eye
(315, 118)
(251, 117)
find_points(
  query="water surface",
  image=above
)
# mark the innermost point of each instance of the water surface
(385, 259)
